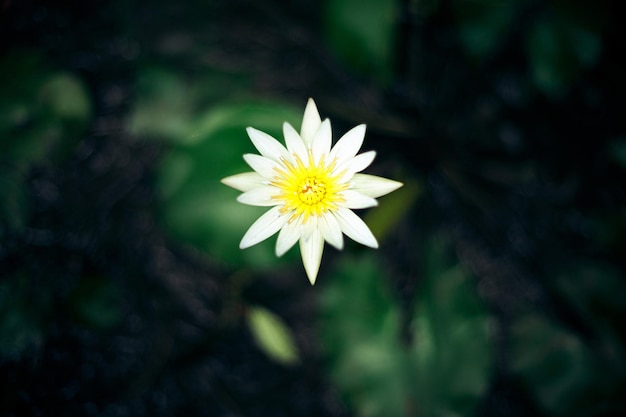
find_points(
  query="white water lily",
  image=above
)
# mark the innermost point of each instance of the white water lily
(311, 187)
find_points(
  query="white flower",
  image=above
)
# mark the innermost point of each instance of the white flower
(311, 187)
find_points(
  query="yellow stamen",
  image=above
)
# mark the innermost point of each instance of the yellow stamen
(308, 190)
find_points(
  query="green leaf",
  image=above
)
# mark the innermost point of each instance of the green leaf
(561, 47)
(272, 335)
(393, 207)
(97, 302)
(443, 370)
(359, 328)
(163, 107)
(452, 350)
(483, 24)
(362, 33)
(42, 117)
(23, 313)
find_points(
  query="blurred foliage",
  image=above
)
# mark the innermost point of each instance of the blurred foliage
(272, 335)
(483, 25)
(560, 42)
(570, 374)
(445, 367)
(24, 313)
(362, 33)
(42, 116)
(205, 146)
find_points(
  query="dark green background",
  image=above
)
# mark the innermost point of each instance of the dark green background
(499, 285)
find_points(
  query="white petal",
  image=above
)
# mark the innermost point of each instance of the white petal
(322, 141)
(244, 182)
(331, 231)
(361, 161)
(287, 237)
(354, 227)
(294, 142)
(308, 226)
(372, 185)
(356, 200)
(265, 226)
(310, 122)
(264, 166)
(311, 250)
(261, 196)
(267, 145)
(354, 165)
(348, 145)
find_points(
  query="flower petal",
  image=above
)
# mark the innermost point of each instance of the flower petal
(354, 165)
(260, 196)
(331, 231)
(288, 236)
(373, 186)
(356, 200)
(294, 142)
(361, 161)
(244, 182)
(311, 250)
(348, 145)
(354, 227)
(264, 166)
(267, 145)
(265, 226)
(320, 145)
(308, 226)
(310, 122)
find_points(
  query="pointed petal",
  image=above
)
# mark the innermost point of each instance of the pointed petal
(354, 227)
(361, 161)
(310, 122)
(354, 165)
(288, 236)
(311, 250)
(265, 226)
(267, 145)
(264, 166)
(294, 142)
(330, 229)
(372, 185)
(356, 200)
(244, 182)
(261, 196)
(320, 145)
(349, 144)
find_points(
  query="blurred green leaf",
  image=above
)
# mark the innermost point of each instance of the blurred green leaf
(42, 116)
(272, 335)
(14, 204)
(617, 152)
(67, 98)
(392, 209)
(163, 106)
(452, 348)
(23, 313)
(360, 331)
(442, 371)
(555, 364)
(567, 373)
(483, 24)
(362, 33)
(97, 302)
(561, 46)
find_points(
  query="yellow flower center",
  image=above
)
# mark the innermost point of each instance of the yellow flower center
(308, 189)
